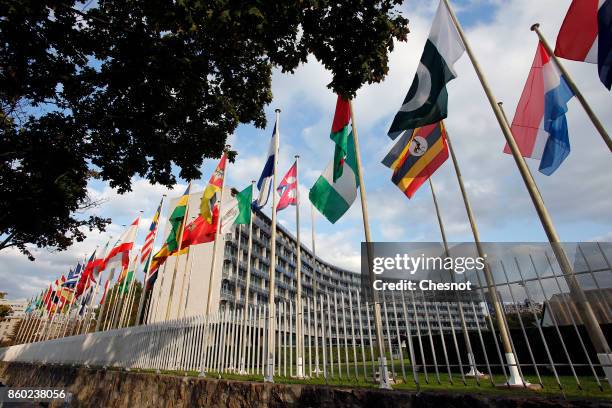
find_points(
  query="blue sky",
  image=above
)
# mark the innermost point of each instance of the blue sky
(578, 194)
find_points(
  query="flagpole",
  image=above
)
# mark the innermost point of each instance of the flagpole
(213, 263)
(299, 324)
(187, 266)
(88, 313)
(102, 305)
(128, 302)
(314, 278)
(471, 361)
(248, 284)
(237, 288)
(382, 360)
(178, 253)
(585, 105)
(595, 332)
(112, 304)
(159, 292)
(67, 318)
(269, 372)
(148, 264)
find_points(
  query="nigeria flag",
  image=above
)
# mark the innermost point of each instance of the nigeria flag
(336, 189)
(427, 98)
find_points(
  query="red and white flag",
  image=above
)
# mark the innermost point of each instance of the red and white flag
(120, 251)
(586, 35)
(287, 189)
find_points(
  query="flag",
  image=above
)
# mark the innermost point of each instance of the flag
(427, 98)
(120, 251)
(212, 193)
(237, 210)
(87, 275)
(287, 188)
(98, 263)
(200, 231)
(73, 276)
(334, 197)
(264, 185)
(414, 160)
(147, 247)
(339, 134)
(539, 125)
(159, 258)
(586, 35)
(176, 221)
(85, 301)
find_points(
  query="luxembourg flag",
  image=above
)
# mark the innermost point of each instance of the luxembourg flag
(586, 35)
(539, 125)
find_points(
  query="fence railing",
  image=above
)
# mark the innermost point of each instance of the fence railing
(331, 337)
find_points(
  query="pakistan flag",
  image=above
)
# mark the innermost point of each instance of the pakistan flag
(427, 98)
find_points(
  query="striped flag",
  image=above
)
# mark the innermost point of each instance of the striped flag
(539, 125)
(264, 185)
(416, 156)
(147, 248)
(586, 35)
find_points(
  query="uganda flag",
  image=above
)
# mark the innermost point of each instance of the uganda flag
(176, 220)
(427, 98)
(416, 156)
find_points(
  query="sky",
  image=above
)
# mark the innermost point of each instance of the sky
(578, 195)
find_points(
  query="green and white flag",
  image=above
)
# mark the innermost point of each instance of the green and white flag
(238, 210)
(427, 98)
(336, 189)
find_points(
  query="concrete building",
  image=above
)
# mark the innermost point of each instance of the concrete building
(192, 277)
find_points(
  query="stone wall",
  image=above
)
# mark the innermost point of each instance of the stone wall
(110, 388)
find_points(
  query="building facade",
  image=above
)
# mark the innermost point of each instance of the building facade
(189, 277)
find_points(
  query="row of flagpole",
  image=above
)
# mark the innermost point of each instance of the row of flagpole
(112, 312)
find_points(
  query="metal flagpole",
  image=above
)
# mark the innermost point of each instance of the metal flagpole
(269, 363)
(148, 269)
(67, 318)
(89, 312)
(248, 286)
(159, 293)
(471, 361)
(178, 253)
(382, 360)
(236, 286)
(128, 299)
(604, 353)
(216, 244)
(183, 279)
(109, 299)
(314, 287)
(298, 305)
(572, 85)
(595, 332)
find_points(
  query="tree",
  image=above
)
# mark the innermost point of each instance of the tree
(136, 87)
(5, 310)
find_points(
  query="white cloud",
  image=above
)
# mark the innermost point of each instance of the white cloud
(577, 195)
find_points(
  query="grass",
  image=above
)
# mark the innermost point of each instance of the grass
(589, 387)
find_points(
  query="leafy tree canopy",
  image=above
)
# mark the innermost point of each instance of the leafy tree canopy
(120, 88)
